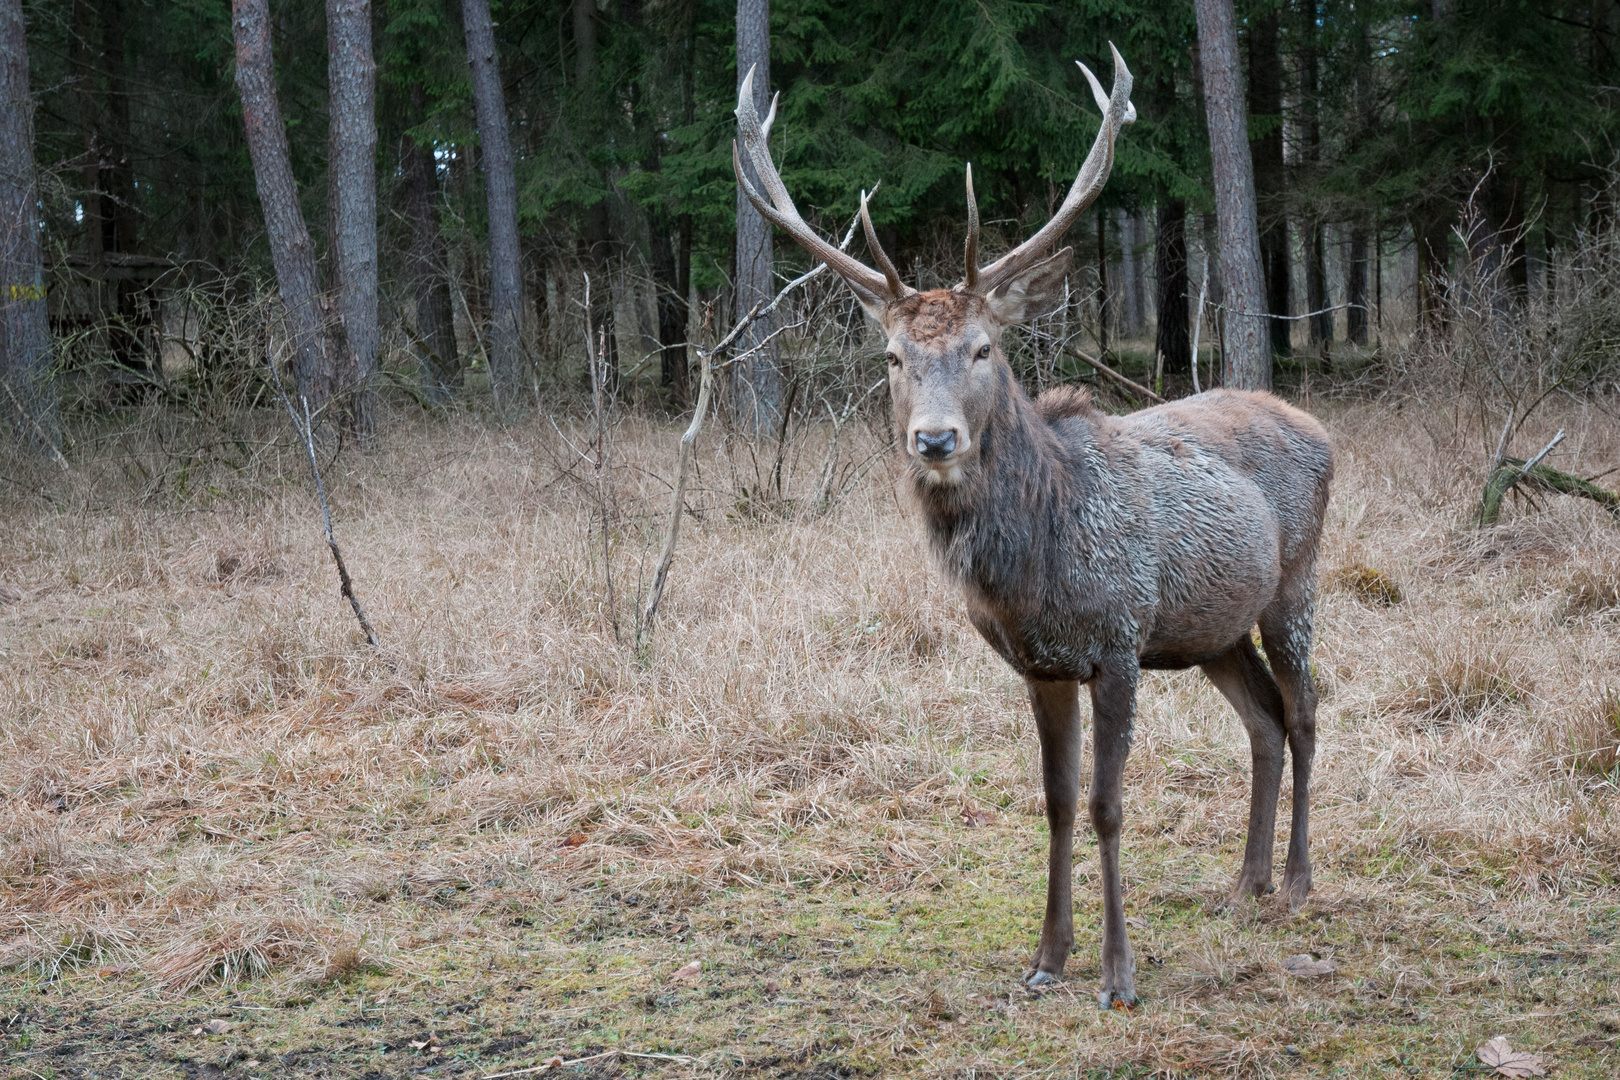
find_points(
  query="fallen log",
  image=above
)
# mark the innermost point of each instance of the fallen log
(1513, 471)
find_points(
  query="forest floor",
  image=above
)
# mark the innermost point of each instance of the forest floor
(799, 832)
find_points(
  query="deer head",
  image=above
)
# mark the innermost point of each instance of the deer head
(943, 345)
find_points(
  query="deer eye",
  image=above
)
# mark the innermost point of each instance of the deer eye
(984, 352)
(894, 360)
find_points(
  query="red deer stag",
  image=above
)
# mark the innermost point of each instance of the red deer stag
(1090, 547)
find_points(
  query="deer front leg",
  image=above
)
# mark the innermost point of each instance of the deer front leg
(1057, 720)
(1113, 707)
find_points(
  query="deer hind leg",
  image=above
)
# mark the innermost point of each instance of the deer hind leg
(1285, 627)
(1241, 676)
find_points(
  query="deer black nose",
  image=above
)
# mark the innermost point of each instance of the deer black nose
(936, 445)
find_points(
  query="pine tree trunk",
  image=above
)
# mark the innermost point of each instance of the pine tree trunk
(351, 180)
(1135, 271)
(291, 251)
(1170, 269)
(1247, 358)
(505, 270)
(1355, 314)
(1316, 294)
(760, 402)
(1270, 178)
(81, 61)
(120, 200)
(429, 267)
(27, 390)
(584, 13)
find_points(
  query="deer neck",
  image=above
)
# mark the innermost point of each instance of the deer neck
(992, 529)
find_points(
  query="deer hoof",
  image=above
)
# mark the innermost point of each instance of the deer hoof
(1108, 1000)
(1039, 978)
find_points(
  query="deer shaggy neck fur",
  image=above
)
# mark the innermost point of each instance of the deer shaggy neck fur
(1083, 540)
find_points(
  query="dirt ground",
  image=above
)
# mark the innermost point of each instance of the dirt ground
(236, 841)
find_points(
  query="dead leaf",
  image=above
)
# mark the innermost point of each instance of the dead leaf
(215, 1027)
(1498, 1055)
(687, 972)
(975, 818)
(772, 988)
(113, 971)
(1306, 966)
(429, 1045)
(987, 1003)
(555, 1062)
(573, 841)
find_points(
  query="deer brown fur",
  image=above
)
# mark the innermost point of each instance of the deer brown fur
(1090, 547)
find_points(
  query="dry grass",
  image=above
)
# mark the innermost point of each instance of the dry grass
(510, 829)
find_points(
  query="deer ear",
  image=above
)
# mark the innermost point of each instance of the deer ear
(1034, 292)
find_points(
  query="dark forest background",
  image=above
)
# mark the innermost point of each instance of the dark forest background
(1373, 125)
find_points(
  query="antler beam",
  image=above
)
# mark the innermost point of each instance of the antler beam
(873, 288)
(1117, 112)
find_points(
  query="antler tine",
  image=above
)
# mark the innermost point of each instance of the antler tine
(970, 259)
(889, 274)
(770, 116)
(1088, 184)
(870, 285)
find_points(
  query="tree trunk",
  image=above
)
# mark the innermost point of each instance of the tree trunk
(1355, 315)
(120, 215)
(1316, 292)
(28, 391)
(429, 267)
(1135, 271)
(351, 197)
(1247, 359)
(1105, 307)
(1270, 180)
(291, 251)
(1170, 270)
(761, 400)
(584, 43)
(505, 270)
(82, 63)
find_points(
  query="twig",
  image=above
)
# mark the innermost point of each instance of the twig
(598, 361)
(1506, 477)
(1134, 387)
(1545, 450)
(1287, 318)
(1502, 442)
(344, 580)
(678, 499)
(306, 431)
(689, 438)
(1198, 325)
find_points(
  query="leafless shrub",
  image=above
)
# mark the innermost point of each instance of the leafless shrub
(1492, 355)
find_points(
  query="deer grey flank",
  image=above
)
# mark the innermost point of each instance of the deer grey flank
(1090, 547)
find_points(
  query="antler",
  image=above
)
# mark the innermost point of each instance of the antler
(1117, 111)
(873, 288)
